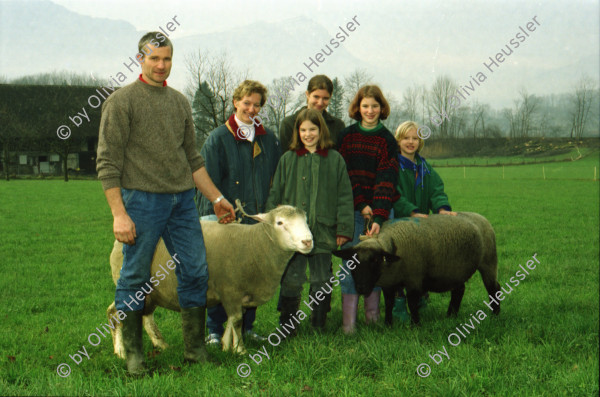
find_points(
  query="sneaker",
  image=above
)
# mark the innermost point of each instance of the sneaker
(250, 334)
(213, 339)
(399, 311)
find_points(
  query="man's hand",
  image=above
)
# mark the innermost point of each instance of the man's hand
(224, 208)
(124, 229)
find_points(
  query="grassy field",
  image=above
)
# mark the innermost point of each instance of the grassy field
(56, 238)
(513, 160)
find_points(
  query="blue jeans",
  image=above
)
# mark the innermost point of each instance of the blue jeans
(216, 315)
(174, 217)
(347, 284)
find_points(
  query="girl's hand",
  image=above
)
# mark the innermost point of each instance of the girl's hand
(374, 229)
(341, 240)
(367, 212)
(419, 215)
(444, 212)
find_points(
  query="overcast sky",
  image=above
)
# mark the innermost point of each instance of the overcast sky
(406, 42)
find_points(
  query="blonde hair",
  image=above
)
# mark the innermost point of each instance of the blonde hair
(403, 129)
(249, 87)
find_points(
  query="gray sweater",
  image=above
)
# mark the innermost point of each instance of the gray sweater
(147, 140)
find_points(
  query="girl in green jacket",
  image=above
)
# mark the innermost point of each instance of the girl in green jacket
(314, 178)
(421, 190)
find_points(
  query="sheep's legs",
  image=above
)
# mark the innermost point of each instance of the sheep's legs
(116, 333)
(388, 297)
(413, 296)
(490, 280)
(455, 298)
(232, 338)
(153, 332)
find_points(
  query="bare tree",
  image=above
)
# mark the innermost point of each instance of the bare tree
(410, 102)
(526, 109)
(512, 122)
(581, 102)
(280, 103)
(439, 104)
(479, 112)
(354, 81)
(210, 88)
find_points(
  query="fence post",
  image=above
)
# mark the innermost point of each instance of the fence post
(544, 172)
(464, 173)
(503, 172)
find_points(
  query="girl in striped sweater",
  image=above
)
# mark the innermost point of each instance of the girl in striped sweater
(371, 155)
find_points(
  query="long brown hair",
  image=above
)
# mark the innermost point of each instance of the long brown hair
(315, 117)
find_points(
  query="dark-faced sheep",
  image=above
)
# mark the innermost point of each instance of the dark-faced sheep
(439, 253)
(245, 265)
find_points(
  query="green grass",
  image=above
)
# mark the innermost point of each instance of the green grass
(56, 238)
(513, 160)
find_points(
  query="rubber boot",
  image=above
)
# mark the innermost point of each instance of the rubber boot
(319, 314)
(349, 306)
(193, 322)
(372, 307)
(400, 312)
(132, 341)
(289, 307)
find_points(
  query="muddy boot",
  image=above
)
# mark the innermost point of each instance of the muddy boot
(193, 322)
(372, 307)
(319, 314)
(349, 306)
(132, 341)
(289, 307)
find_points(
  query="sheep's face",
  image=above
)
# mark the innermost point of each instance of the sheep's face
(291, 229)
(368, 262)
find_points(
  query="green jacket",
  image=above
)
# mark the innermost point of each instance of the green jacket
(429, 197)
(286, 129)
(319, 184)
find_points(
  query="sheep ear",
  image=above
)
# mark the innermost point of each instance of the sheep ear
(346, 253)
(259, 217)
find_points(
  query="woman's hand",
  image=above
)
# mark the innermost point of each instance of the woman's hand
(444, 212)
(418, 215)
(224, 211)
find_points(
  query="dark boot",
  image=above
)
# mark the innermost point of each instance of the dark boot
(132, 340)
(319, 314)
(193, 322)
(289, 307)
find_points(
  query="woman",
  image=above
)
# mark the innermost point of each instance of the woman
(241, 158)
(371, 155)
(318, 93)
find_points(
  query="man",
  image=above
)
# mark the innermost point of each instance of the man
(148, 164)
(318, 93)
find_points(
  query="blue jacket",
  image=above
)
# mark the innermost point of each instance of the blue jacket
(239, 168)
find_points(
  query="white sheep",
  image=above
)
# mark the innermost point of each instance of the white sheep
(245, 265)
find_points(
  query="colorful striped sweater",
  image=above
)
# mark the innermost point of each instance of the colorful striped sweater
(372, 160)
